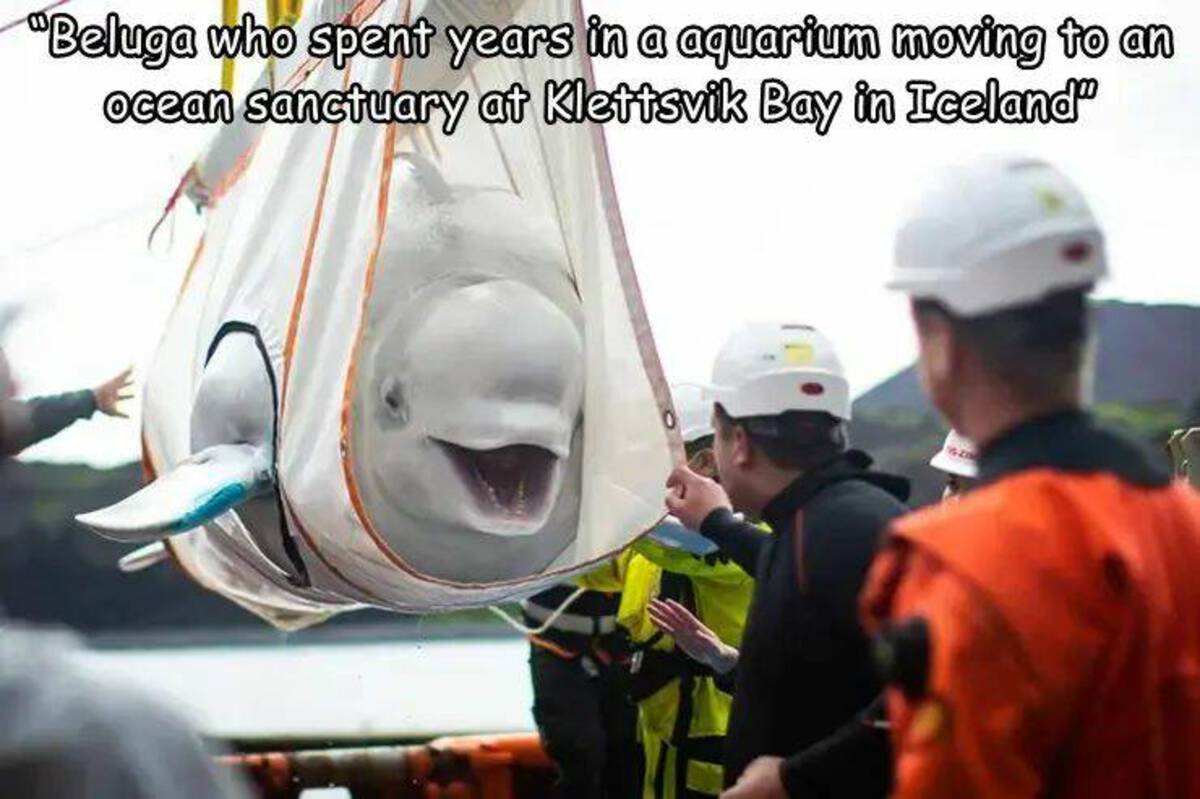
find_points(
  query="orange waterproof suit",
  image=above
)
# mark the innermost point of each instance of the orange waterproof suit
(1042, 636)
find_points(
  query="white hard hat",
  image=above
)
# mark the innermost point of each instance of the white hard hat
(957, 456)
(996, 235)
(695, 414)
(765, 369)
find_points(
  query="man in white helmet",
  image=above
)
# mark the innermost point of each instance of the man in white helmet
(1040, 637)
(805, 680)
(958, 460)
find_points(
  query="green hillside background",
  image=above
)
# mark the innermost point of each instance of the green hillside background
(1146, 384)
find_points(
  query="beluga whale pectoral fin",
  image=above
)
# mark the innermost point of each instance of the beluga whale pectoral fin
(198, 490)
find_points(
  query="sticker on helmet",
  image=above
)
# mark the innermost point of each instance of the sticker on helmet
(1076, 251)
(1051, 200)
(798, 354)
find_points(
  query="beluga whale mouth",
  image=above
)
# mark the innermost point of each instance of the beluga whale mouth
(512, 486)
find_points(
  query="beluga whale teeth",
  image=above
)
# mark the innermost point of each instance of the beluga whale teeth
(512, 483)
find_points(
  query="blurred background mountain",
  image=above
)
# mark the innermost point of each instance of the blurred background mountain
(1147, 383)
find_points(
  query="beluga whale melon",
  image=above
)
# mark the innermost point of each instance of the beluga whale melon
(405, 369)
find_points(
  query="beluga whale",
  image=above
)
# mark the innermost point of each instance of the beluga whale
(404, 369)
(466, 401)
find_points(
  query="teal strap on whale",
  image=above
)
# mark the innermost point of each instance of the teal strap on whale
(223, 499)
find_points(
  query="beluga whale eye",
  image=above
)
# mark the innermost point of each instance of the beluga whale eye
(392, 395)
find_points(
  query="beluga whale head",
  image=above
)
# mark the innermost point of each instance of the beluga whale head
(476, 399)
(466, 407)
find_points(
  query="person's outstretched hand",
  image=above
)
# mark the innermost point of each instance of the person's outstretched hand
(760, 780)
(691, 496)
(109, 394)
(696, 640)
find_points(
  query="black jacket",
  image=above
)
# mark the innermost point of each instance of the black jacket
(804, 672)
(24, 423)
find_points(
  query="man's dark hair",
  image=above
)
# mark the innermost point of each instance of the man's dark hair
(694, 448)
(793, 440)
(1036, 349)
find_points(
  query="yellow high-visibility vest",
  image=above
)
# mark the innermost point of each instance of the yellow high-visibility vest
(719, 593)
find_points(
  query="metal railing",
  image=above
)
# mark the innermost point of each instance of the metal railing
(484, 767)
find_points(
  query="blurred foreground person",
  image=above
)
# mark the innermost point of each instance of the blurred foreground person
(958, 460)
(1041, 636)
(64, 735)
(24, 423)
(805, 682)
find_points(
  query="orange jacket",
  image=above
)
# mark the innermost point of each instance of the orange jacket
(1060, 649)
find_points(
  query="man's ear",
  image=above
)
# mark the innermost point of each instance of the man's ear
(945, 363)
(743, 451)
(935, 341)
(703, 462)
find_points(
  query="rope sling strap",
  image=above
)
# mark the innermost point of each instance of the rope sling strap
(546, 624)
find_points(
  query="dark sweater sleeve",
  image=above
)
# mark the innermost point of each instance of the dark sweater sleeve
(727, 681)
(854, 761)
(27, 422)
(836, 551)
(741, 541)
(838, 546)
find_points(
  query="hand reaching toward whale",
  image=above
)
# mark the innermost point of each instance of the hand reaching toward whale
(691, 635)
(112, 392)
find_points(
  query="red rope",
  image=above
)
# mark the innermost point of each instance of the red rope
(21, 20)
(175, 195)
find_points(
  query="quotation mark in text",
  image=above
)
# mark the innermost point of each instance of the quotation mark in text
(39, 22)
